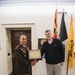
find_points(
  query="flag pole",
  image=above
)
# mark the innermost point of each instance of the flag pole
(56, 5)
(67, 63)
(68, 57)
(63, 10)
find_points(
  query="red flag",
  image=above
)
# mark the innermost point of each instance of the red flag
(55, 26)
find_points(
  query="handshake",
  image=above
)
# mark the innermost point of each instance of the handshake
(34, 56)
(33, 62)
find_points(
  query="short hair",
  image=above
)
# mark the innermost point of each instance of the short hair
(47, 30)
(23, 36)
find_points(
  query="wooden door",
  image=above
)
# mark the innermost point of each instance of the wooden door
(15, 34)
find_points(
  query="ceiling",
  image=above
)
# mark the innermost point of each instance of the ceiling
(11, 2)
(25, 1)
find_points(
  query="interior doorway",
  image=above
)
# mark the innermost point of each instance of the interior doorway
(15, 34)
(6, 46)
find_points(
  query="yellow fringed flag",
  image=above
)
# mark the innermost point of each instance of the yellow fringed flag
(55, 26)
(70, 44)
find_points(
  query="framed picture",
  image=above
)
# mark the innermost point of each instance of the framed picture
(35, 54)
(40, 42)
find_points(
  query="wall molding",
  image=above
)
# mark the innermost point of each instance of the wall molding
(18, 24)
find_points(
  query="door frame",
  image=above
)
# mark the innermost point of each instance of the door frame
(4, 28)
(12, 34)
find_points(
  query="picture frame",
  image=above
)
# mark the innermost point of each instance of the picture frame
(40, 42)
(35, 54)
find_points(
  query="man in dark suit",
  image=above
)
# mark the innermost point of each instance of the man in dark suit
(21, 54)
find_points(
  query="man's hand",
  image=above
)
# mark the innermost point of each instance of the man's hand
(33, 62)
(62, 63)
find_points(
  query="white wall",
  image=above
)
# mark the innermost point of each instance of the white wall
(1, 58)
(42, 16)
(1, 63)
